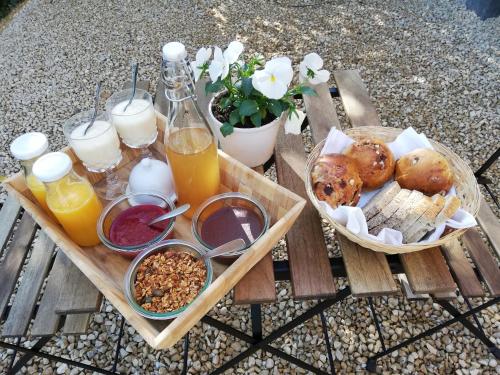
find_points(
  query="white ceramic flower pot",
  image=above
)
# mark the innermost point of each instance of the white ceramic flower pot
(251, 146)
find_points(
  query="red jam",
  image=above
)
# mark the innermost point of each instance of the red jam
(231, 223)
(130, 227)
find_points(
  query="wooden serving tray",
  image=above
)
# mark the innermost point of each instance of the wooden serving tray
(107, 269)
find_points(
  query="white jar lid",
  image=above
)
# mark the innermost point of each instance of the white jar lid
(174, 51)
(29, 146)
(52, 166)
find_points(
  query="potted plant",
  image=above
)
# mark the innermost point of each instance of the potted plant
(253, 98)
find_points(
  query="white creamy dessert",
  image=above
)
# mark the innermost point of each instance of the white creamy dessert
(136, 125)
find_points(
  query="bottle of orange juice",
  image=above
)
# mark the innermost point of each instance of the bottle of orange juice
(70, 197)
(190, 145)
(27, 148)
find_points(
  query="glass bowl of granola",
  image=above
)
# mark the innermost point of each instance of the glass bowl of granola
(166, 278)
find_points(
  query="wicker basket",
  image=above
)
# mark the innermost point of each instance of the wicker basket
(465, 184)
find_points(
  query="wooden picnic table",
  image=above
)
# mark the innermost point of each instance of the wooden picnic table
(69, 298)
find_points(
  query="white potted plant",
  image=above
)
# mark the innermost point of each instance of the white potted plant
(253, 99)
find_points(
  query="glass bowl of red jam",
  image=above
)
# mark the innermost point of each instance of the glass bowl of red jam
(123, 224)
(229, 216)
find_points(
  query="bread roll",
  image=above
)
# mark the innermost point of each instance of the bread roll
(374, 160)
(336, 180)
(424, 170)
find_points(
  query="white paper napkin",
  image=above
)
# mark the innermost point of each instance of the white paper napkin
(354, 219)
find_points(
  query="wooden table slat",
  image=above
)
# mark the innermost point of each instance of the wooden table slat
(14, 258)
(8, 217)
(27, 294)
(310, 270)
(65, 284)
(490, 224)
(465, 276)
(76, 324)
(484, 260)
(427, 271)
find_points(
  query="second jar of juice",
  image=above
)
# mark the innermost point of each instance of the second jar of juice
(190, 145)
(70, 197)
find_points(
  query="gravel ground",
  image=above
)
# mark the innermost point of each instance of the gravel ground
(430, 64)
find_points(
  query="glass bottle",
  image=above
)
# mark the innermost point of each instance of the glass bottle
(190, 145)
(27, 148)
(70, 197)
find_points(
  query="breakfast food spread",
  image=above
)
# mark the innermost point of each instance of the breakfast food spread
(374, 160)
(168, 281)
(336, 180)
(424, 170)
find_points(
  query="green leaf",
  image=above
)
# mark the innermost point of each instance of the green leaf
(256, 119)
(308, 91)
(246, 86)
(226, 129)
(213, 86)
(248, 107)
(225, 102)
(276, 107)
(234, 117)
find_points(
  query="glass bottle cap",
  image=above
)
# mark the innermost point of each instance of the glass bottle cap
(52, 166)
(29, 146)
(174, 51)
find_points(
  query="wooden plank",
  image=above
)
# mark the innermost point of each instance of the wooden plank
(27, 293)
(462, 270)
(65, 285)
(355, 99)
(8, 216)
(76, 324)
(258, 285)
(427, 271)
(409, 293)
(14, 258)
(368, 271)
(310, 270)
(489, 224)
(484, 260)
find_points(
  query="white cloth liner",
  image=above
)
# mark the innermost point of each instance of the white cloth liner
(354, 219)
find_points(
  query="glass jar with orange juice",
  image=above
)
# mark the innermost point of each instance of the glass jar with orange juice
(190, 145)
(27, 148)
(70, 197)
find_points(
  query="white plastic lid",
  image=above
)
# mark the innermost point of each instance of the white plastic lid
(174, 51)
(52, 166)
(29, 146)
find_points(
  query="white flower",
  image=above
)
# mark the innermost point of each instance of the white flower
(310, 69)
(219, 67)
(202, 57)
(233, 51)
(274, 79)
(293, 125)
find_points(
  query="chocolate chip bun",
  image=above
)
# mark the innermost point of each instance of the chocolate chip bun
(336, 180)
(374, 160)
(424, 170)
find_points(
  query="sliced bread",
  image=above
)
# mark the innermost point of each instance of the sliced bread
(382, 199)
(406, 209)
(422, 205)
(389, 209)
(451, 206)
(426, 222)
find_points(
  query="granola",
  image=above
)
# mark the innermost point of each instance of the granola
(168, 281)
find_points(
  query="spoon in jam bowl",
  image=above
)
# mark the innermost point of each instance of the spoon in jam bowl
(175, 212)
(228, 247)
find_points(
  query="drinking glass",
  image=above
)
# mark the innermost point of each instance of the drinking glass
(135, 122)
(98, 148)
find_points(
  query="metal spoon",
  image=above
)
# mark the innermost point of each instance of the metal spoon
(228, 247)
(96, 104)
(135, 69)
(175, 212)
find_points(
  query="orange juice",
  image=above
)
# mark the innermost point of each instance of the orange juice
(192, 154)
(39, 191)
(76, 207)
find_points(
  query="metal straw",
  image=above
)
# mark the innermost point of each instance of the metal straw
(96, 105)
(135, 69)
